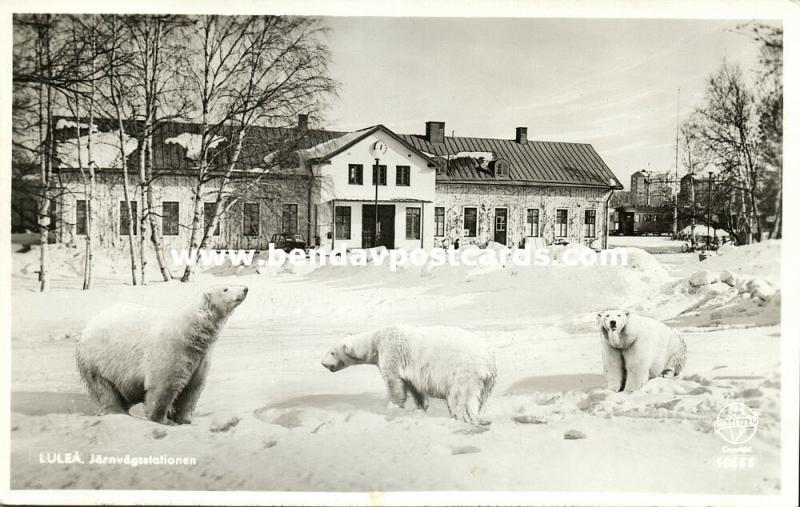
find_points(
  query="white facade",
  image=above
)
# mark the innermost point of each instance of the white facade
(399, 204)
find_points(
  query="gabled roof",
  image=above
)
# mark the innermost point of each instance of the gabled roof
(537, 162)
(330, 149)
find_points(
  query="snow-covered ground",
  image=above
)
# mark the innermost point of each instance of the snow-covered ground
(272, 418)
(652, 244)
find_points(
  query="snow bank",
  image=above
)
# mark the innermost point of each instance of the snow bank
(105, 150)
(192, 143)
(759, 259)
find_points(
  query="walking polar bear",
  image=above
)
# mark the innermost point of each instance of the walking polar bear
(130, 354)
(636, 349)
(439, 362)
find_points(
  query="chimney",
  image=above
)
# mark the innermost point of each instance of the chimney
(302, 121)
(522, 135)
(434, 131)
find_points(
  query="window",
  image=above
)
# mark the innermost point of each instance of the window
(403, 176)
(637, 218)
(124, 225)
(647, 218)
(656, 218)
(170, 218)
(24, 216)
(412, 223)
(470, 222)
(342, 222)
(208, 216)
(379, 175)
(438, 221)
(532, 223)
(501, 168)
(590, 223)
(561, 223)
(80, 217)
(251, 225)
(289, 219)
(355, 174)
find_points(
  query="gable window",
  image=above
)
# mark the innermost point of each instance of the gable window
(379, 175)
(208, 216)
(532, 223)
(438, 221)
(412, 223)
(561, 223)
(124, 224)
(355, 174)
(403, 176)
(251, 223)
(169, 218)
(589, 223)
(80, 217)
(501, 169)
(470, 222)
(342, 222)
(289, 219)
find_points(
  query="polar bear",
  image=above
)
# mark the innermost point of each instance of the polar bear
(441, 362)
(130, 354)
(636, 349)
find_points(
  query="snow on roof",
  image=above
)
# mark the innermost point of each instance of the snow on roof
(192, 143)
(64, 123)
(322, 149)
(105, 150)
(488, 156)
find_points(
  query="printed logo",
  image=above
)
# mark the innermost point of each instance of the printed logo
(736, 423)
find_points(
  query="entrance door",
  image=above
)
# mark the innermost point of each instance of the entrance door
(385, 233)
(500, 225)
(628, 224)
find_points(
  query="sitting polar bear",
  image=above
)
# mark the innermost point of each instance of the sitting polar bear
(130, 354)
(636, 349)
(441, 362)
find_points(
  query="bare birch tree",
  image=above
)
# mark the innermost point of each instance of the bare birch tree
(255, 71)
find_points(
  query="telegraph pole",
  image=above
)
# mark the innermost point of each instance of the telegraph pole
(677, 181)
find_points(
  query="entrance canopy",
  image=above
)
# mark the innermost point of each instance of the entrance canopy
(395, 200)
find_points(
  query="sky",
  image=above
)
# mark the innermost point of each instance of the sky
(612, 83)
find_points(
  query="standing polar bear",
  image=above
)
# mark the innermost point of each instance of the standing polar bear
(130, 354)
(636, 349)
(441, 362)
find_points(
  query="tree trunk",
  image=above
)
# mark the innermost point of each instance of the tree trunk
(116, 96)
(155, 230)
(195, 238)
(145, 212)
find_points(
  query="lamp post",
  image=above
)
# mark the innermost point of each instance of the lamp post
(708, 206)
(376, 177)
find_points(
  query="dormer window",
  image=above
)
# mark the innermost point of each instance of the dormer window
(441, 166)
(501, 169)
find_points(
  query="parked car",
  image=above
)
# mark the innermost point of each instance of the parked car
(288, 242)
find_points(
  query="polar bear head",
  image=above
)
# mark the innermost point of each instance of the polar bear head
(356, 349)
(221, 300)
(612, 322)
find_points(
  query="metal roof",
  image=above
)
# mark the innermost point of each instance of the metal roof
(538, 162)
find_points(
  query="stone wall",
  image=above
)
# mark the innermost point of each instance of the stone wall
(518, 199)
(270, 195)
